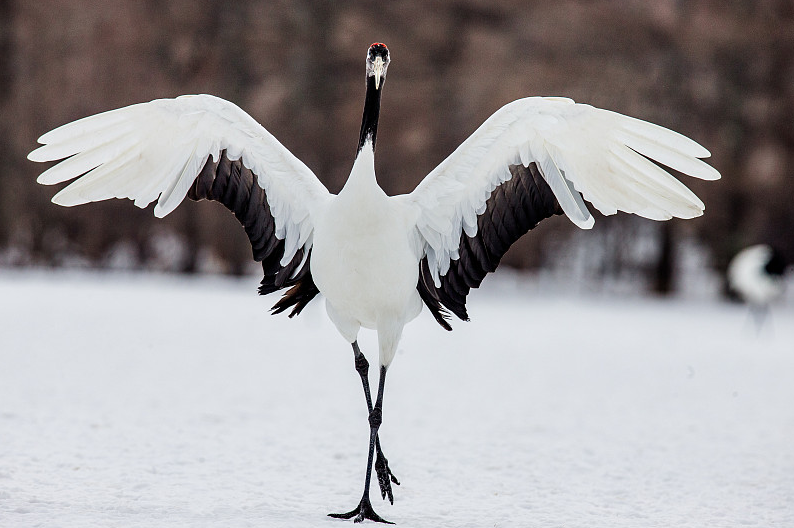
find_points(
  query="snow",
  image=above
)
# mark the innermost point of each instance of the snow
(140, 400)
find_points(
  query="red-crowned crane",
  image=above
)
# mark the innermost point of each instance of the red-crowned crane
(756, 275)
(376, 258)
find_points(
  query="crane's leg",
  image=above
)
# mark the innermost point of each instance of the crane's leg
(364, 509)
(759, 313)
(385, 476)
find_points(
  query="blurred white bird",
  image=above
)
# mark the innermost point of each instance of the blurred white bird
(378, 258)
(757, 276)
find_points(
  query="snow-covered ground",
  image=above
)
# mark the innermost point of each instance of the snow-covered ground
(159, 401)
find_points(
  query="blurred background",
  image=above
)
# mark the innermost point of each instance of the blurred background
(719, 71)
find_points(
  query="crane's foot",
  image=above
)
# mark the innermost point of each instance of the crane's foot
(363, 511)
(385, 476)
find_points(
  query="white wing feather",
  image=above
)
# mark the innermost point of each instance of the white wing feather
(154, 151)
(581, 151)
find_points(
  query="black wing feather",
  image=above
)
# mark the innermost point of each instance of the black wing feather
(514, 207)
(235, 186)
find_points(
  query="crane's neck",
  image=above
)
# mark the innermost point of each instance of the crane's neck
(369, 122)
(361, 185)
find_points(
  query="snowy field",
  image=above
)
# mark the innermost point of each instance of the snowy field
(152, 401)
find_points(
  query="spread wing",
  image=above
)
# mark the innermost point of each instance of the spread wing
(534, 158)
(203, 147)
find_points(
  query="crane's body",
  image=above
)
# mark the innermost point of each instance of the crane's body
(378, 259)
(365, 260)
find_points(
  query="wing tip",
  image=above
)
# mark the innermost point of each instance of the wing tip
(67, 199)
(43, 180)
(583, 223)
(39, 154)
(161, 210)
(712, 174)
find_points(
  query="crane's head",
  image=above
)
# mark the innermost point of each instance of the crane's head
(377, 62)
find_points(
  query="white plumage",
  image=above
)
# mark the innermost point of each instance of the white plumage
(368, 279)
(376, 258)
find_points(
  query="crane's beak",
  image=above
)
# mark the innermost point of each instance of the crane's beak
(378, 68)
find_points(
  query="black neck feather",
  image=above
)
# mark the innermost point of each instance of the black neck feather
(369, 122)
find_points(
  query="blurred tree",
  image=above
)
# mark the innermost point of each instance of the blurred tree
(6, 75)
